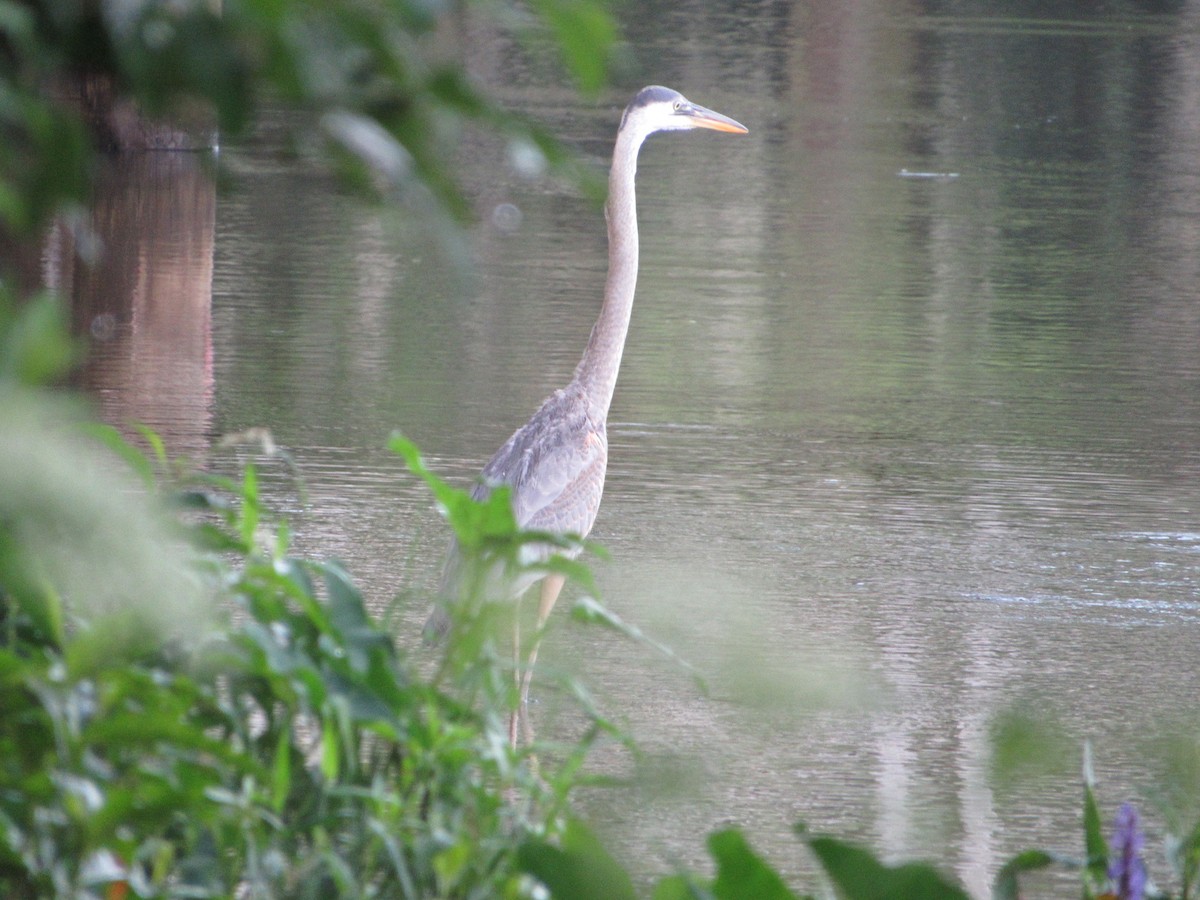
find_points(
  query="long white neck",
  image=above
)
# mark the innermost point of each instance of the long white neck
(597, 371)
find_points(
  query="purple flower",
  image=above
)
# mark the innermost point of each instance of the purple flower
(1125, 866)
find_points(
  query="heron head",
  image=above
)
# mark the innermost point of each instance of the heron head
(657, 108)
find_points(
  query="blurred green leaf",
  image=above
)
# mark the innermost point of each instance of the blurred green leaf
(44, 157)
(155, 442)
(1007, 884)
(1095, 846)
(586, 34)
(588, 609)
(681, 887)
(250, 506)
(450, 865)
(1025, 746)
(35, 348)
(17, 23)
(329, 752)
(741, 873)
(1178, 790)
(348, 615)
(581, 869)
(110, 438)
(281, 772)
(858, 875)
(31, 610)
(173, 53)
(207, 536)
(1183, 852)
(474, 522)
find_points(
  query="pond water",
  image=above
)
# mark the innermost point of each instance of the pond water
(907, 436)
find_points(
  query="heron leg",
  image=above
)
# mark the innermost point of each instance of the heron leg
(514, 717)
(518, 722)
(552, 585)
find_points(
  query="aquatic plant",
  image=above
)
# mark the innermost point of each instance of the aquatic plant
(1112, 870)
(1126, 870)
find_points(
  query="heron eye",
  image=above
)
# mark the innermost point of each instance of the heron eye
(678, 105)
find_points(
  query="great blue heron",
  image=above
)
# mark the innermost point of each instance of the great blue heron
(555, 462)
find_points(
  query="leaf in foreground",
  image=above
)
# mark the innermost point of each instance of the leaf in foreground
(581, 869)
(741, 873)
(1008, 886)
(858, 875)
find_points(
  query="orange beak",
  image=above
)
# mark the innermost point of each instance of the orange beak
(702, 117)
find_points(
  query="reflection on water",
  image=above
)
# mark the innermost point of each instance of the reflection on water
(888, 454)
(139, 275)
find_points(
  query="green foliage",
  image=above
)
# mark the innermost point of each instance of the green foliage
(858, 875)
(34, 347)
(1183, 853)
(186, 709)
(478, 649)
(43, 147)
(289, 750)
(1095, 866)
(1104, 869)
(577, 867)
(742, 874)
(1007, 885)
(581, 28)
(379, 96)
(1025, 746)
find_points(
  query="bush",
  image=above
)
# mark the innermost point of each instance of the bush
(266, 738)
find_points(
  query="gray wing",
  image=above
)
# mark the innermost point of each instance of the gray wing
(555, 464)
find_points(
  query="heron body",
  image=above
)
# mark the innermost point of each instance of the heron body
(555, 463)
